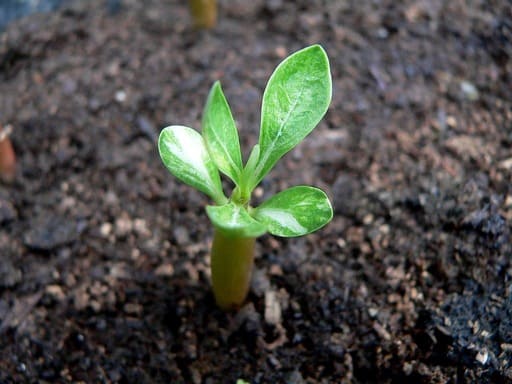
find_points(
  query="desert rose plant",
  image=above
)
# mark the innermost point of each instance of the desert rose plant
(295, 99)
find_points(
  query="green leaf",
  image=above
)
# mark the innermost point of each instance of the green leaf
(295, 100)
(220, 134)
(234, 220)
(295, 211)
(184, 153)
(253, 159)
(248, 171)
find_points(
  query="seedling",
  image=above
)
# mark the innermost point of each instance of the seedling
(204, 13)
(7, 156)
(295, 99)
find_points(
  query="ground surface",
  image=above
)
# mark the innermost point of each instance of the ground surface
(104, 273)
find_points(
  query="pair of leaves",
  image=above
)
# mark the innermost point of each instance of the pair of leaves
(296, 98)
(293, 212)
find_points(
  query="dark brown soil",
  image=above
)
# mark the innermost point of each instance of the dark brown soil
(104, 273)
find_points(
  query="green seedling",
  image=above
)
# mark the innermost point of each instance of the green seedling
(295, 99)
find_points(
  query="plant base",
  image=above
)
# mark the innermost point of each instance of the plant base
(232, 259)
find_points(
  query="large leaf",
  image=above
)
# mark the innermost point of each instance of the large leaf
(220, 134)
(295, 211)
(295, 99)
(184, 153)
(234, 220)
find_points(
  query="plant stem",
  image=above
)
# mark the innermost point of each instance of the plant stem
(232, 259)
(204, 13)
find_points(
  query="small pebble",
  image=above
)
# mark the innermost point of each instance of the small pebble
(123, 226)
(48, 233)
(105, 229)
(165, 270)
(469, 90)
(141, 227)
(382, 33)
(274, 362)
(373, 312)
(482, 356)
(506, 164)
(94, 104)
(55, 291)
(272, 308)
(181, 235)
(451, 121)
(120, 96)
(280, 52)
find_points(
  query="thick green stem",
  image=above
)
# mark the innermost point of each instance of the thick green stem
(232, 259)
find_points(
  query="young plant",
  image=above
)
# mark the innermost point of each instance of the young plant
(204, 13)
(295, 99)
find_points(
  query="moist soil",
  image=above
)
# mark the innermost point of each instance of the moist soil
(104, 273)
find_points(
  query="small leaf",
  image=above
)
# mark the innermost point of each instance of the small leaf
(184, 153)
(234, 220)
(248, 171)
(296, 98)
(253, 159)
(295, 211)
(220, 134)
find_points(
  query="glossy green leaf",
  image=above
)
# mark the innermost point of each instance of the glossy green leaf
(295, 100)
(184, 153)
(253, 159)
(234, 220)
(248, 171)
(220, 134)
(295, 211)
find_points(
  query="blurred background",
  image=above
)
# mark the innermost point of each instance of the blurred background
(14, 9)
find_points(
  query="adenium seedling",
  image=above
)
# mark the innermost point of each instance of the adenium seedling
(204, 13)
(295, 100)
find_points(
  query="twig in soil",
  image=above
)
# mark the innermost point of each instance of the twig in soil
(7, 155)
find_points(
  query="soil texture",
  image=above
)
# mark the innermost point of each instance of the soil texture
(104, 272)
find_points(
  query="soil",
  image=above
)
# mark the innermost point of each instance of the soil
(104, 273)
